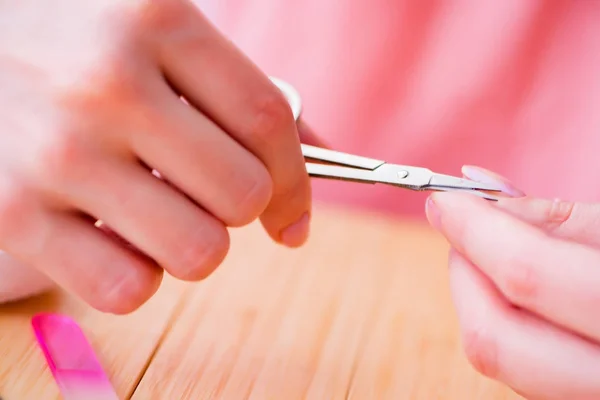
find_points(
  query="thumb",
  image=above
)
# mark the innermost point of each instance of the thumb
(574, 221)
(308, 136)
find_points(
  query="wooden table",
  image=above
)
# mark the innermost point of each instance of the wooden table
(362, 311)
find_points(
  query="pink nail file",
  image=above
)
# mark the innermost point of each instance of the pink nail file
(71, 359)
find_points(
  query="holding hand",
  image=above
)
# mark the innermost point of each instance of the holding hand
(525, 278)
(91, 104)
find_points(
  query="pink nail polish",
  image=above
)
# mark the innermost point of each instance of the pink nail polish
(483, 175)
(296, 234)
(71, 359)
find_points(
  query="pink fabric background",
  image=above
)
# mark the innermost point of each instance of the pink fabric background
(510, 85)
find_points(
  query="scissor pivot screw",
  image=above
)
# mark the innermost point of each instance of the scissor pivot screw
(402, 174)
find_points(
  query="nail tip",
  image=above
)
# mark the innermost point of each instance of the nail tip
(483, 175)
(296, 234)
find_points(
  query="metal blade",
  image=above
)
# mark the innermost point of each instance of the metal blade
(483, 195)
(453, 182)
(337, 157)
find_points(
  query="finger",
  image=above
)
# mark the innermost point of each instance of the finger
(509, 345)
(197, 157)
(218, 79)
(86, 262)
(155, 218)
(573, 221)
(554, 278)
(308, 136)
(483, 175)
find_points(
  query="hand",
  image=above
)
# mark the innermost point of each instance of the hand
(91, 104)
(525, 279)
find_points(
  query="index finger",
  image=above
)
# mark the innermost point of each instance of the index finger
(550, 277)
(579, 222)
(221, 82)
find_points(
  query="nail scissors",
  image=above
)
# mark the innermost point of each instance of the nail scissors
(367, 170)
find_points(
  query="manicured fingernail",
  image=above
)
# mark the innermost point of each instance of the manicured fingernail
(297, 233)
(433, 212)
(482, 175)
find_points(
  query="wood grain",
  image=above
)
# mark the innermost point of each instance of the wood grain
(362, 311)
(124, 344)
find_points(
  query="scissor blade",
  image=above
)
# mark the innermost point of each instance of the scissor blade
(453, 182)
(418, 178)
(483, 195)
(341, 173)
(337, 157)
(414, 178)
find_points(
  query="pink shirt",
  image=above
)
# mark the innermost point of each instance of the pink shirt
(510, 85)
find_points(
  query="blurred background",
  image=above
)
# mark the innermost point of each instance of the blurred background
(510, 85)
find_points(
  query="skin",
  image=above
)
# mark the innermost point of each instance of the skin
(524, 277)
(91, 105)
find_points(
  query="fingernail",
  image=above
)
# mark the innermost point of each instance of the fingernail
(433, 213)
(297, 233)
(483, 175)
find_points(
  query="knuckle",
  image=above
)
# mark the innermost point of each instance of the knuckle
(127, 291)
(521, 282)
(161, 16)
(111, 83)
(273, 117)
(203, 253)
(558, 212)
(481, 349)
(93, 96)
(13, 206)
(252, 199)
(61, 159)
